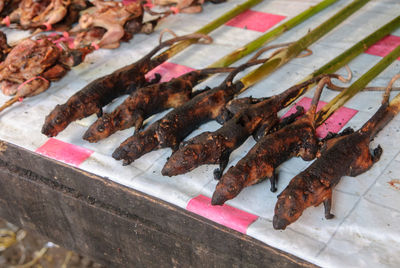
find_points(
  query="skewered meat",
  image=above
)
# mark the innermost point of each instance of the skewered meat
(61, 13)
(112, 16)
(33, 58)
(345, 155)
(260, 115)
(296, 139)
(27, 10)
(28, 59)
(147, 101)
(44, 13)
(103, 90)
(177, 124)
(4, 47)
(53, 13)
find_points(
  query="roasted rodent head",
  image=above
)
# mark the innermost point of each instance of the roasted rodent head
(228, 187)
(182, 160)
(199, 151)
(56, 121)
(288, 208)
(99, 130)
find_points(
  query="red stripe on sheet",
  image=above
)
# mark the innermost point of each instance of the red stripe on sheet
(334, 123)
(384, 46)
(168, 70)
(231, 217)
(255, 20)
(65, 152)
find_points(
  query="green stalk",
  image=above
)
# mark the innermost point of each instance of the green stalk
(357, 86)
(173, 50)
(296, 48)
(358, 48)
(344, 58)
(271, 35)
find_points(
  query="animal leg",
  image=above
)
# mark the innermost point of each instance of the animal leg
(327, 206)
(290, 119)
(222, 165)
(156, 79)
(138, 124)
(100, 112)
(330, 140)
(376, 155)
(332, 135)
(346, 131)
(329, 136)
(274, 180)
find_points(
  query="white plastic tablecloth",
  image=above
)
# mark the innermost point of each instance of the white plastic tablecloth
(365, 230)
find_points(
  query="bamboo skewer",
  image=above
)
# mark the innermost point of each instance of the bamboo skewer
(271, 35)
(348, 55)
(9, 103)
(173, 50)
(357, 86)
(297, 47)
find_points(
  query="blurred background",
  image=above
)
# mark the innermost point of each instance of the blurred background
(22, 249)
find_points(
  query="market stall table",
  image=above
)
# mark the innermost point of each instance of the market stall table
(75, 194)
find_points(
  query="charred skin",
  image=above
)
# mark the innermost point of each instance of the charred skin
(143, 103)
(177, 124)
(252, 116)
(348, 155)
(103, 90)
(345, 155)
(215, 147)
(95, 95)
(296, 139)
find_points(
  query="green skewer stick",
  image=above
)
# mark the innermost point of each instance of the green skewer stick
(251, 46)
(173, 50)
(296, 48)
(360, 47)
(357, 86)
(344, 58)
(271, 35)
